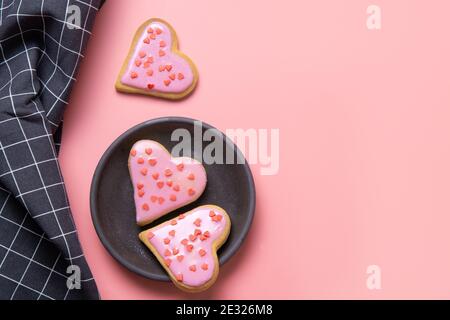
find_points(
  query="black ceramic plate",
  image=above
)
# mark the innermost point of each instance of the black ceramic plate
(230, 186)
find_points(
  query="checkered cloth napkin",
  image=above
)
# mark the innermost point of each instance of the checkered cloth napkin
(41, 46)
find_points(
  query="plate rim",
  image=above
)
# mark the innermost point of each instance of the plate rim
(96, 180)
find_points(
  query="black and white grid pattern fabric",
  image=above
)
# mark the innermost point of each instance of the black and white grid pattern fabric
(41, 47)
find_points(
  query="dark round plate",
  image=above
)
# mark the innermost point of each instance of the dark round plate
(230, 186)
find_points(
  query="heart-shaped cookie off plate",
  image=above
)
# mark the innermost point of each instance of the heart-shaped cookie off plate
(155, 66)
(229, 186)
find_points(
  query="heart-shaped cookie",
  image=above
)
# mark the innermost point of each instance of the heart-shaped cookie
(161, 183)
(187, 246)
(154, 66)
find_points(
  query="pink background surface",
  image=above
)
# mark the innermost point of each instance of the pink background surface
(365, 140)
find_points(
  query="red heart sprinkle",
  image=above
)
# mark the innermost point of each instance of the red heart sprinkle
(193, 268)
(201, 252)
(145, 207)
(155, 175)
(160, 184)
(162, 43)
(205, 266)
(153, 163)
(172, 76)
(161, 53)
(180, 76)
(180, 167)
(144, 171)
(150, 235)
(167, 82)
(150, 86)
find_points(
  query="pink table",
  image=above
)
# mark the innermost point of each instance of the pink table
(365, 140)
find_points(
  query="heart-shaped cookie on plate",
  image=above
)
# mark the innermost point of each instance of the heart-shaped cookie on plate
(162, 183)
(187, 246)
(155, 66)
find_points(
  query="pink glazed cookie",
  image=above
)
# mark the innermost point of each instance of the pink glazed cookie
(154, 66)
(187, 246)
(161, 183)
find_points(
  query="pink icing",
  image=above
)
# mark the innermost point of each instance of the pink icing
(155, 78)
(161, 183)
(184, 229)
